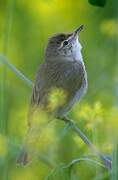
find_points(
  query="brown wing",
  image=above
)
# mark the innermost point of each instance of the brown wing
(38, 92)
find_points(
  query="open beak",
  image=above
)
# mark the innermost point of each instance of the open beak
(75, 34)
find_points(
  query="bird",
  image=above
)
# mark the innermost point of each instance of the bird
(63, 69)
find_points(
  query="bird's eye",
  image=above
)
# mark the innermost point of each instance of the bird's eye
(65, 43)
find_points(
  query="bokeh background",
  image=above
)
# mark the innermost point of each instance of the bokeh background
(24, 30)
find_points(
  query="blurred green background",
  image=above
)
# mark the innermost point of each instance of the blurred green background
(24, 30)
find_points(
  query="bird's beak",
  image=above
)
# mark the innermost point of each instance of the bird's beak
(78, 30)
(75, 34)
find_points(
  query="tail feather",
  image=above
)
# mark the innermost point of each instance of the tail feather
(23, 158)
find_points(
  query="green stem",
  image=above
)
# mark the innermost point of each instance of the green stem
(4, 111)
(5, 61)
(75, 161)
(115, 161)
(106, 161)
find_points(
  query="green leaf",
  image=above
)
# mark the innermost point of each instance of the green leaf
(100, 3)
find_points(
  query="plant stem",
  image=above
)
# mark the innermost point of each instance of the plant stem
(4, 111)
(75, 161)
(115, 160)
(106, 161)
(16, 71)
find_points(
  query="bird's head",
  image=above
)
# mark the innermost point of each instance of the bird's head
(64, 46)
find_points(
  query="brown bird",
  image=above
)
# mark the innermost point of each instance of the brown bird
(63, 69)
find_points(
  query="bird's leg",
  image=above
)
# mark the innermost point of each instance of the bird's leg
(66, 120)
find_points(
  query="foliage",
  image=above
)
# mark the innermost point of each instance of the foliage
(100, 3)
(25, 28)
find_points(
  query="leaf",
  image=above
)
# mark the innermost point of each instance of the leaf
(100, 3)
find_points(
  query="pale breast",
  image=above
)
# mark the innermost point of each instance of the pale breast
(72, 78)
(78, 88)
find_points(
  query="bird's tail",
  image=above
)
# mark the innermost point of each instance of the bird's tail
(23, 158)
